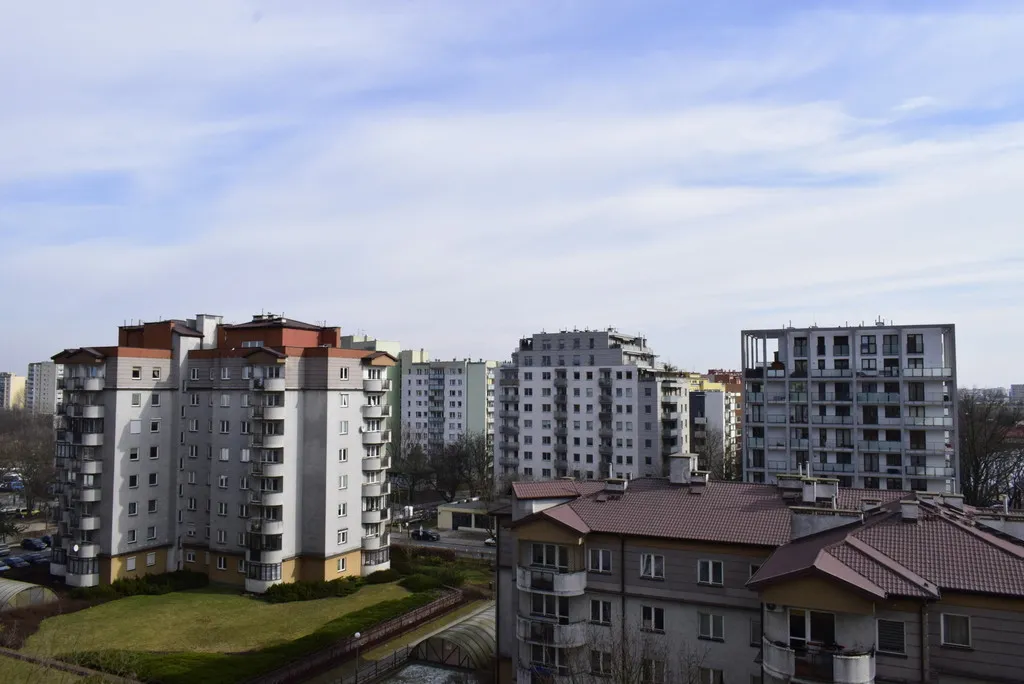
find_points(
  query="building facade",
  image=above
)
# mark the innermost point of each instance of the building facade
(874, 406)
(798, 581)
(588, 404)
(1016, 394)
(252, 452)
(12, 391)
(442, 400)
(41, 393)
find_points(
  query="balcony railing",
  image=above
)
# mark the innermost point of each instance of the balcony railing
(798, 397)
(928, 421)
(928, 372)
(830, 396)
(832, 420)
(928, 471)
(831, 373)
(840, 350)
(551, 581)
(755, 397)
(830, 445)
(884, 447)
(558, 633)
(777, 398)
(817, 664)
(832, 467)
(878, 398)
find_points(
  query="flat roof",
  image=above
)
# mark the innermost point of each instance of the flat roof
(465, 506)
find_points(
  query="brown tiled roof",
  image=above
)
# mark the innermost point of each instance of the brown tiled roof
(273, 323)
(555, 489)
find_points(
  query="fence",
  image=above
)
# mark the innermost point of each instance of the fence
(378, 668)
(77, 670)
(484, 554)
(331, 656)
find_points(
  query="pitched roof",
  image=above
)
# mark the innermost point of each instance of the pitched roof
(555, 489)
(273, 323)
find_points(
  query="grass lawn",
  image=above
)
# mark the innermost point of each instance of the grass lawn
(203, 620)
(14, 670)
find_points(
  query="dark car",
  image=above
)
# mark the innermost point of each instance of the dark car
(425, 535)
(37, 558)
(32, 544)
(46, 539)
(17, 562)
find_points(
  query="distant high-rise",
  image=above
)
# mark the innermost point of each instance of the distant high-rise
(588, 404)
(1017, 394)
(41, 392)
(874, 406)
(442, 400)
(12, 391)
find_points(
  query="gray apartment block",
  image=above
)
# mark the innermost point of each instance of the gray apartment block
(588, 404)
(442, 400)
(874, 406)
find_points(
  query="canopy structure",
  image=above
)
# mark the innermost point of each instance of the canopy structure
(14, 594)
(471, 644)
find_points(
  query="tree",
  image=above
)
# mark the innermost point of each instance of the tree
(991, 461)
(713, 456)
(410, 461)
(27, 446)
(633, 655)
(463, 463)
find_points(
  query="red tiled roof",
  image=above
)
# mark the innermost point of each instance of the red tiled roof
(555, 489)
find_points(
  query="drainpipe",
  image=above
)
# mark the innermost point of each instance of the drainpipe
(925, 656)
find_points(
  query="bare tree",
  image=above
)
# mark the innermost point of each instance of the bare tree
(991, 462)
(632, 656)
(410, 461)
(27, 446)
(463, 464)
(717, 457)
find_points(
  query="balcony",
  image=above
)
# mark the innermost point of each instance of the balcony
(776, 373)
(378, 516)
(93, 439)
(80, 411)
(375, 489)
(832, 420)
(508, 413)
(508, 445)
(800, 443)
(928, 448)
(840, 350)
(832, 467)
(86, 549)
(605, 399)
(376, 437)
(878, 398)
(266, 497)
(267, 469)
(76, 580)
(817, 665)
(375, 542)
(604, 382)
(798, 397)
(373, 463)
(551, 633)
(755, 442)
(266, 526)
(776, 445)
(777, 399)
(551, 581)
(928, 471)
(508, 429)
(830, 445)
(700, 420)
(85, 522)
(267, 384)
(775, 420)
(928, 421)
(508, 382)
(378, 411)
(508, 461)
(268, 412)
(89, 494)
(883, 447)
(561, 381)
(91, 467)
(930, 398)
(755, 397)
(927, 372)
(831, 398)
(376, 385)
(605, 450)
(831, 373)
(88, 384)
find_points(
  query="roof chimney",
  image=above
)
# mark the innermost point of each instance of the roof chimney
(911, 510)
(820, 490)
(867, 505)
(954, 500)
(698, 481)
(680, 466)
(615, 485)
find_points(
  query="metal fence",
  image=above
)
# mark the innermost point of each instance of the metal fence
(378, 668)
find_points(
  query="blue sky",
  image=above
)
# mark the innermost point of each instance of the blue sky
(457, 174)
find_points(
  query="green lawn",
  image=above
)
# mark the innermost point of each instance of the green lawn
(204, 620)
(14, 670)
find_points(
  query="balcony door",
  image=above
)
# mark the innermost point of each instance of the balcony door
(811, 628)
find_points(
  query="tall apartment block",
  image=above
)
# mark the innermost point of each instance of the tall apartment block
(251, 452)
(715, 409)
(442, 400)
(12, 391)
(874, 406)
(590, 404)
(41, 393)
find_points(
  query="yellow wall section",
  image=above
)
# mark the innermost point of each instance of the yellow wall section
(116, 567)
(230, 574)
(326, 569)
(290, 570)
(542, 531)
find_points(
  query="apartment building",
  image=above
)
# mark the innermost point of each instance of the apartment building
(442, 400)
(393, 374)
(875, 406)
(689, 580)
(590, 404)
(41, 393)
(715, 410)
(252, 452)
(12, 391)
(1016, 394)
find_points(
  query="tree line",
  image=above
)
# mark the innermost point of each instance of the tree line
(27, 443)
(462, 465)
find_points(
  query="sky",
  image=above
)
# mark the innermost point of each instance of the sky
(458, 174)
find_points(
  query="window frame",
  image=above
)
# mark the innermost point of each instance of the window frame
(710, 564)
(655, 611)
(601, 567)
(711, 619)
(942, 631)
(878, 636)
(653, 566)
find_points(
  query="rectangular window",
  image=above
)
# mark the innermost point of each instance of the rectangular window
(153, 480)
(343, 536)
(711, 627)
(222, 508)
(222, 482)
(154, 452)
(601, 612)
(151, 532)
(154, 426)
(706, 675)
(711, 572)
(652, 671)
(154, 399)
(225, 400)
(342, 510)
(956, 630)
(136, 398)
(225, 373)
(343, 428)
(133, 454)
(892, 637)
(222, 537)
(190, 556)
(652, 619)
(241, 565)
(652, 566)
(343, 400)
(600, 560)
(133, 508)
(129, 564)
(343, 455)
(193, 374)
(343, 373)
(136, 372)
(601, 663)
(225, 427)
(151, 506)
(343, 482)
(150, 560)
(341, 565)
(222, 563)
(225, 454)
(131, 536)
(550, 555)
(133, 481)
(134, 426)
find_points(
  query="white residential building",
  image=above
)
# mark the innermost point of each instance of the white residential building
(590, 404)
(442, 400)
(875, 406)
(251, 452)
(41, 392)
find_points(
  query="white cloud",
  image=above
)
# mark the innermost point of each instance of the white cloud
(456, 178)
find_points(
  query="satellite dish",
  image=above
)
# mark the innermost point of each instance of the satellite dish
(75, 548)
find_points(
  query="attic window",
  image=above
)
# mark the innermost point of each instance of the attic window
(252, 343)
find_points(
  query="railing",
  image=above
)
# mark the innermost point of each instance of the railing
(878, 398)
(798, 397)
(884, 447)
(833, 446)
(831, 373)
(755, 397)
(777, 399)
(928, 372)
(755, 442)
(776, 373)
(829, 396)
(833, 467)
(928, 421)
(551, 580)
(778, 466)
(840, 350)
(832, 420)
(928, 471)
(777, 420)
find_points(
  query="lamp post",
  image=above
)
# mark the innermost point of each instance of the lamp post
(356, 636)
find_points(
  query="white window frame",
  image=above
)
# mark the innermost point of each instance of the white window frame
(710, 634)
(129, 564)
(343, 536)
(604, 617)
(343, 427)
(149, 536)
(343, 400)
(603, 558)
(131, 537)
(654, 610)
(342, 565)
(942, 624)
(706, 572)
(190, 556)
(150, 559)
(133, 508)
(222, 563)
(649, 566)
(136, 399)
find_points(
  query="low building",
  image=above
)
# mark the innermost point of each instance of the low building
(464, 515)
(685, 579)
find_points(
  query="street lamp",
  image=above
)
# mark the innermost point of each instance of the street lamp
(356, 636)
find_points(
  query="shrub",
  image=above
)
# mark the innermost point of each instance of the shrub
(383, 577)
(416, 583)
(179, 580)
(309, 591)
(447, 575)
(434, 556)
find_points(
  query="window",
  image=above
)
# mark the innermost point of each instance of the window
(193, 374)
(600, 560)
(136, 398)
(652, 619)
(134, 426)
(601, 663)
(343, 482)
(151, 532)
(133, 508)
(133, 454)
(652, 566)
(150, 559)
(222, 563)
(706, 675)
(343, 428)
(190, 556)
(343, 455)
(601, 612)
(710, 626)
(225, 454)
(136, 372)
(342, 510)
(133, 481)
(154, 426)
(154, 399)
(755, 632)
(153, 480)
(225, 400)
(343, 373)
(225, 427)
(343, 536)
(225, 373)
(129, 564)
(550, 555)
(131, 536)
(241, 565)
(222, 508)
(222, 481)
(151, 506)
(710, 572)
(341, 565)
(956, 630)
(652, 671)
(154, 452)
(344, 400)
(222, 537)
(891, 637)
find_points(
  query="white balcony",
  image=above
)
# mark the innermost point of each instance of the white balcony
(269, 412)
(265, 526)
(375, 489)
(784, 663)
(85, 550)
(92, 411)
(91, 384)
(267, 384)
(81, 580)
(90, 495)
(374, 517)
(928, 421)
(267, 469)
(551, 581)
(548, 633)
(91, 467)
(376, 385)
(379, 411)
(379, 437)
(927, 372)
(92, 439)
(58, 569)
(372, 463)
(375, 542)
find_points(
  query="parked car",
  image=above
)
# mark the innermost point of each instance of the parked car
(425, 535)
(46, 539)
(33, 544)
(17, 562)
(490, 541)
(37, 558)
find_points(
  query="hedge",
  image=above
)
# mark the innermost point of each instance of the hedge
(309, 591)
(416, 583)
(179, 580)
(228, 668)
